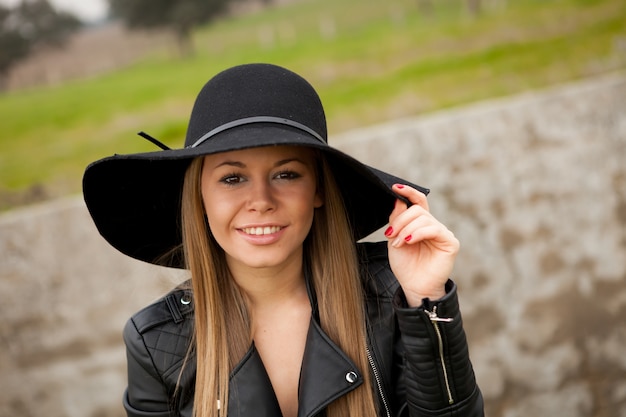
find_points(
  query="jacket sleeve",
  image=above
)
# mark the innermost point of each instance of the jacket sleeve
(439, 377)
(146, 395)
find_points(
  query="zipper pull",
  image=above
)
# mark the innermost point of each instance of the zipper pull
(434, 317)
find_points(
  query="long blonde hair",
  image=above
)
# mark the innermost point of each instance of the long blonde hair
(222, 325)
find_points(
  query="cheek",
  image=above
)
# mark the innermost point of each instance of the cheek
(318, 201)
(214, 207)
(217, 224)
(216, 211)
(307, 203)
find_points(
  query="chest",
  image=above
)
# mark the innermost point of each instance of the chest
(281, 346)
(322, 379)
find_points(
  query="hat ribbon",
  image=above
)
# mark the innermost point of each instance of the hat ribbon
(257, 119)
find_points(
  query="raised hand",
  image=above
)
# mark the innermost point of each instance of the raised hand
(421, 249)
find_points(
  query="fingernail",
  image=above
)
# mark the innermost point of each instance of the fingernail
(400, 186)
(389, 231)
(406, 239)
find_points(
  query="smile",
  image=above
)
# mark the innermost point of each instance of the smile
(259, 231)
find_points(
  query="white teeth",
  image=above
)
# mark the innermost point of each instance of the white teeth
(268, 230)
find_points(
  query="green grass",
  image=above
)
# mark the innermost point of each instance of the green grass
(370, 60)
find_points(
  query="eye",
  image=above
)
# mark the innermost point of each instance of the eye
(232, 179)
(287, 175)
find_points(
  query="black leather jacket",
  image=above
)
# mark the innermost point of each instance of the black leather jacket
(420, 365)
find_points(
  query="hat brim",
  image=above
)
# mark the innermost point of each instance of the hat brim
(134, 199)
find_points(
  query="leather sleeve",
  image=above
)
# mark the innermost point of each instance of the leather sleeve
(146, 395)
(439, 376)
(157, 339)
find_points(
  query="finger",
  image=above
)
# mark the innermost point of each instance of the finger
(406, 227)
(416, 225)
(436, 235)
(400, 219)
(411, 194)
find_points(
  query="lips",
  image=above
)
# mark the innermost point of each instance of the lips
(261, 231)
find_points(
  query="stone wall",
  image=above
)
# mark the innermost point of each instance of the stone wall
(534, 186)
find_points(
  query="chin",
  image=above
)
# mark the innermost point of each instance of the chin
(262, 263)
(263, 260)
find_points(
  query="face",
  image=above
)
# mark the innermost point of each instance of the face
(260, 203)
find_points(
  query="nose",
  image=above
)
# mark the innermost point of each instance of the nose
(261, 198)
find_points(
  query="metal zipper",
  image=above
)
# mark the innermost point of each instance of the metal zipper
(379, 384)
(434, 319)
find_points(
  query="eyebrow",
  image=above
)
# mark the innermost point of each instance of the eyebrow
(240, 164)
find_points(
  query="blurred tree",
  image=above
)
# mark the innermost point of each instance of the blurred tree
(13, 46)
(29, 25)
(179, 16)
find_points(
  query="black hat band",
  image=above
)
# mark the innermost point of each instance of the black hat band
(256, 119)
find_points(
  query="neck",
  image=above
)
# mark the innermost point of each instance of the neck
(271, 286)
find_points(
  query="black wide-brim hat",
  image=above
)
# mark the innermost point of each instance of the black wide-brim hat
(134, 199)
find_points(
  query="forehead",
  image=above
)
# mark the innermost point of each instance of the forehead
(262, 154)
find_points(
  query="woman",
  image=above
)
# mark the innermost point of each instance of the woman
(285, 314)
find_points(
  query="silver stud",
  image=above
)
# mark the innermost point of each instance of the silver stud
(185, 300)
(351, 377)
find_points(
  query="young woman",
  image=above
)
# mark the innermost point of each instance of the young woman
(285, 313)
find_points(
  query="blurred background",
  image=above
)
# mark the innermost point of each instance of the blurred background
(512, 111)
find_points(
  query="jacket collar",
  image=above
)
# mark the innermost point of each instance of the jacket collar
(327, 373)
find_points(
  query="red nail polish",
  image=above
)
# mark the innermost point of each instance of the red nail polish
(400, 186)
(407, 238)
(389, 231)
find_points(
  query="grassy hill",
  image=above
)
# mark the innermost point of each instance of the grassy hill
(370, 60)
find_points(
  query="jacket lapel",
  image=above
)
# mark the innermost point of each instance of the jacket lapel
(327, 373)
(250, 391)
